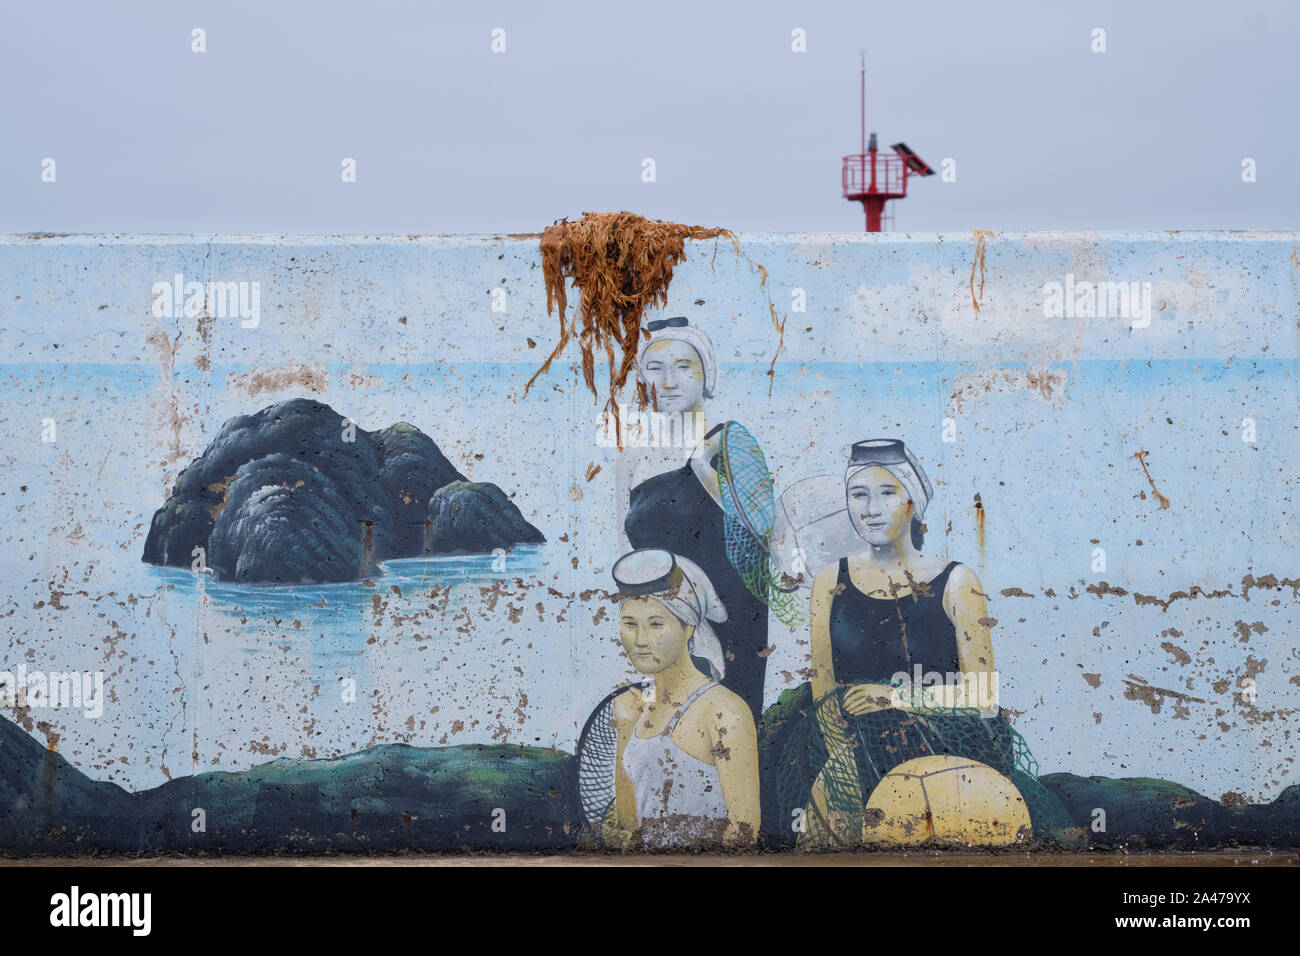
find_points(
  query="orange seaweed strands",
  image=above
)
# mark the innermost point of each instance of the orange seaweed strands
(622, 264)
(1141, 456)
(980, 235)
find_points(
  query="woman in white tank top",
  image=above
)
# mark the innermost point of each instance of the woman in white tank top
(687, 769)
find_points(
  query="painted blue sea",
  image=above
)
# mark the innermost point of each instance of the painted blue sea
(203, 675)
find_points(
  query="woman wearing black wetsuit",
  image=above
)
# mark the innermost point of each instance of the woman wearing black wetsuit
(878, 617)
(679, 510)
(874, 638)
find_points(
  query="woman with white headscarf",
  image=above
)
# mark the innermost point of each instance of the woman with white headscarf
(680, 510)
(889, 607)
(880, 617)
(687, 753)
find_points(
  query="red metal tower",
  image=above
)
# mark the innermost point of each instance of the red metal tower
(873, 179)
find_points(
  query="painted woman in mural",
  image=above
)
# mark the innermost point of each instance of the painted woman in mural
(687, 758)
(903, 740)
(680, 510)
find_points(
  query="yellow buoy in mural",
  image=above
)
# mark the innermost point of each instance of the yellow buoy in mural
(946, 799)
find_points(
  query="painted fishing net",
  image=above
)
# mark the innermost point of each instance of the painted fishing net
(749, 514)
(851, 754)
(596, 761)
(597, 752)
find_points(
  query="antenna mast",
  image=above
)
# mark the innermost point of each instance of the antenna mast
(874, 179)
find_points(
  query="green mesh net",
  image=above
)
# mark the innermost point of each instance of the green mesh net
(851, 754)
(793, 753)
(749, 514)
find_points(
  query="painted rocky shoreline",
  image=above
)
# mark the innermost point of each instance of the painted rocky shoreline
(396, 797)
(385, 798)
(297, 494)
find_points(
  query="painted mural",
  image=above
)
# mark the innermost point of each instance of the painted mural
(852, 551)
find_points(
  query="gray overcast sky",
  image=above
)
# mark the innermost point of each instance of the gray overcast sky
(450, 137)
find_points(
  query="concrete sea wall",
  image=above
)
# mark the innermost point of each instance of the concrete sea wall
(1110, 425)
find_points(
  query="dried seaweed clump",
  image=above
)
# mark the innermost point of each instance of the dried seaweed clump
(621, 263)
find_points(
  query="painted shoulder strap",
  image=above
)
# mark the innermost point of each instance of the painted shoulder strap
(686, 705)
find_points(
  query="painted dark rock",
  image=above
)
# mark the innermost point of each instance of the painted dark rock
(300, 429)
(295, 493)
(285, 522)
(1150, 813)
(43, 797)
(475, 517)
(413, 469)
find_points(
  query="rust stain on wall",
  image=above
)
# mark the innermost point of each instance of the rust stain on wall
(311, 378)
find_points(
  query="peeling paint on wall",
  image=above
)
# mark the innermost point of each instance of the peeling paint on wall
(1118, 485)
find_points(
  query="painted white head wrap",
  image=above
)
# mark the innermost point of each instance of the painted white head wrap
(677, 329)
(689, 595)
(893, 456)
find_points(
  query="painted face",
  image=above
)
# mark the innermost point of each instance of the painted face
(674, 371)
(878, 505)
(652, 635)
